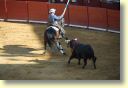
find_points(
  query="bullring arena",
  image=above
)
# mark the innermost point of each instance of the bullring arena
(21, 48)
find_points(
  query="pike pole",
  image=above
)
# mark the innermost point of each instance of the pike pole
(65, 8)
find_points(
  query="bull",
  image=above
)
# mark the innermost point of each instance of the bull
(81, 51)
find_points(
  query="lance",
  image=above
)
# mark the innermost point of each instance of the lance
(65, 8)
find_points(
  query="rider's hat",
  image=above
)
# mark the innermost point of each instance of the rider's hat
(52, 10)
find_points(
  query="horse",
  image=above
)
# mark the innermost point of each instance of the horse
(51, 38)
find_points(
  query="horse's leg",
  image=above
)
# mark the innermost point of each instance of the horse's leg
(45, 46)
(53, 48)
(59, 46)
(45, 42)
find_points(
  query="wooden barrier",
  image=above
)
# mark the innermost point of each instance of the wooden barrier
(113, 19)
(97, 17)
(2, 10)
(38, 11)
(92, 17)
(78, 15)
(17, 10)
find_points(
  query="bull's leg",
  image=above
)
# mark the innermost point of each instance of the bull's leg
(71, 57)
(94, 62)
(79, 61)
(59, 46)
(85, 63)
(45, 45)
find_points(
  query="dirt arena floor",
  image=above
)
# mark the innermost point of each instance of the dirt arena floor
(21, 48)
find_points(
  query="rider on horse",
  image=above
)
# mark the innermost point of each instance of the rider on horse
(53, 21)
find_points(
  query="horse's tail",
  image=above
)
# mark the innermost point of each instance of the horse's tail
(45, 39)
(50, 39)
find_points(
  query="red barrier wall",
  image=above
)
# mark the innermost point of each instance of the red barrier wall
(60, 8)
(38, 11)
(97, 17)
(17, 10)
(78, 15)
(2, 10)
(113, 19)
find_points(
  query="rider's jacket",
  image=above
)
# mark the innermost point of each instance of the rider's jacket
(53, 19)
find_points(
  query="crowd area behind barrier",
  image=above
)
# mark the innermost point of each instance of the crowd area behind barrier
(96, 15)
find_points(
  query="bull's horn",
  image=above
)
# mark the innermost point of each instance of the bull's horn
(76, 39)
(67, 41)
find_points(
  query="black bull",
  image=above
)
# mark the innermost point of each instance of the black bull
(81, 51)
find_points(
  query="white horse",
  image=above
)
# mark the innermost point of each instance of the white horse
(51, 38)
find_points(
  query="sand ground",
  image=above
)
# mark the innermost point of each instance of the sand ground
(21, 48)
